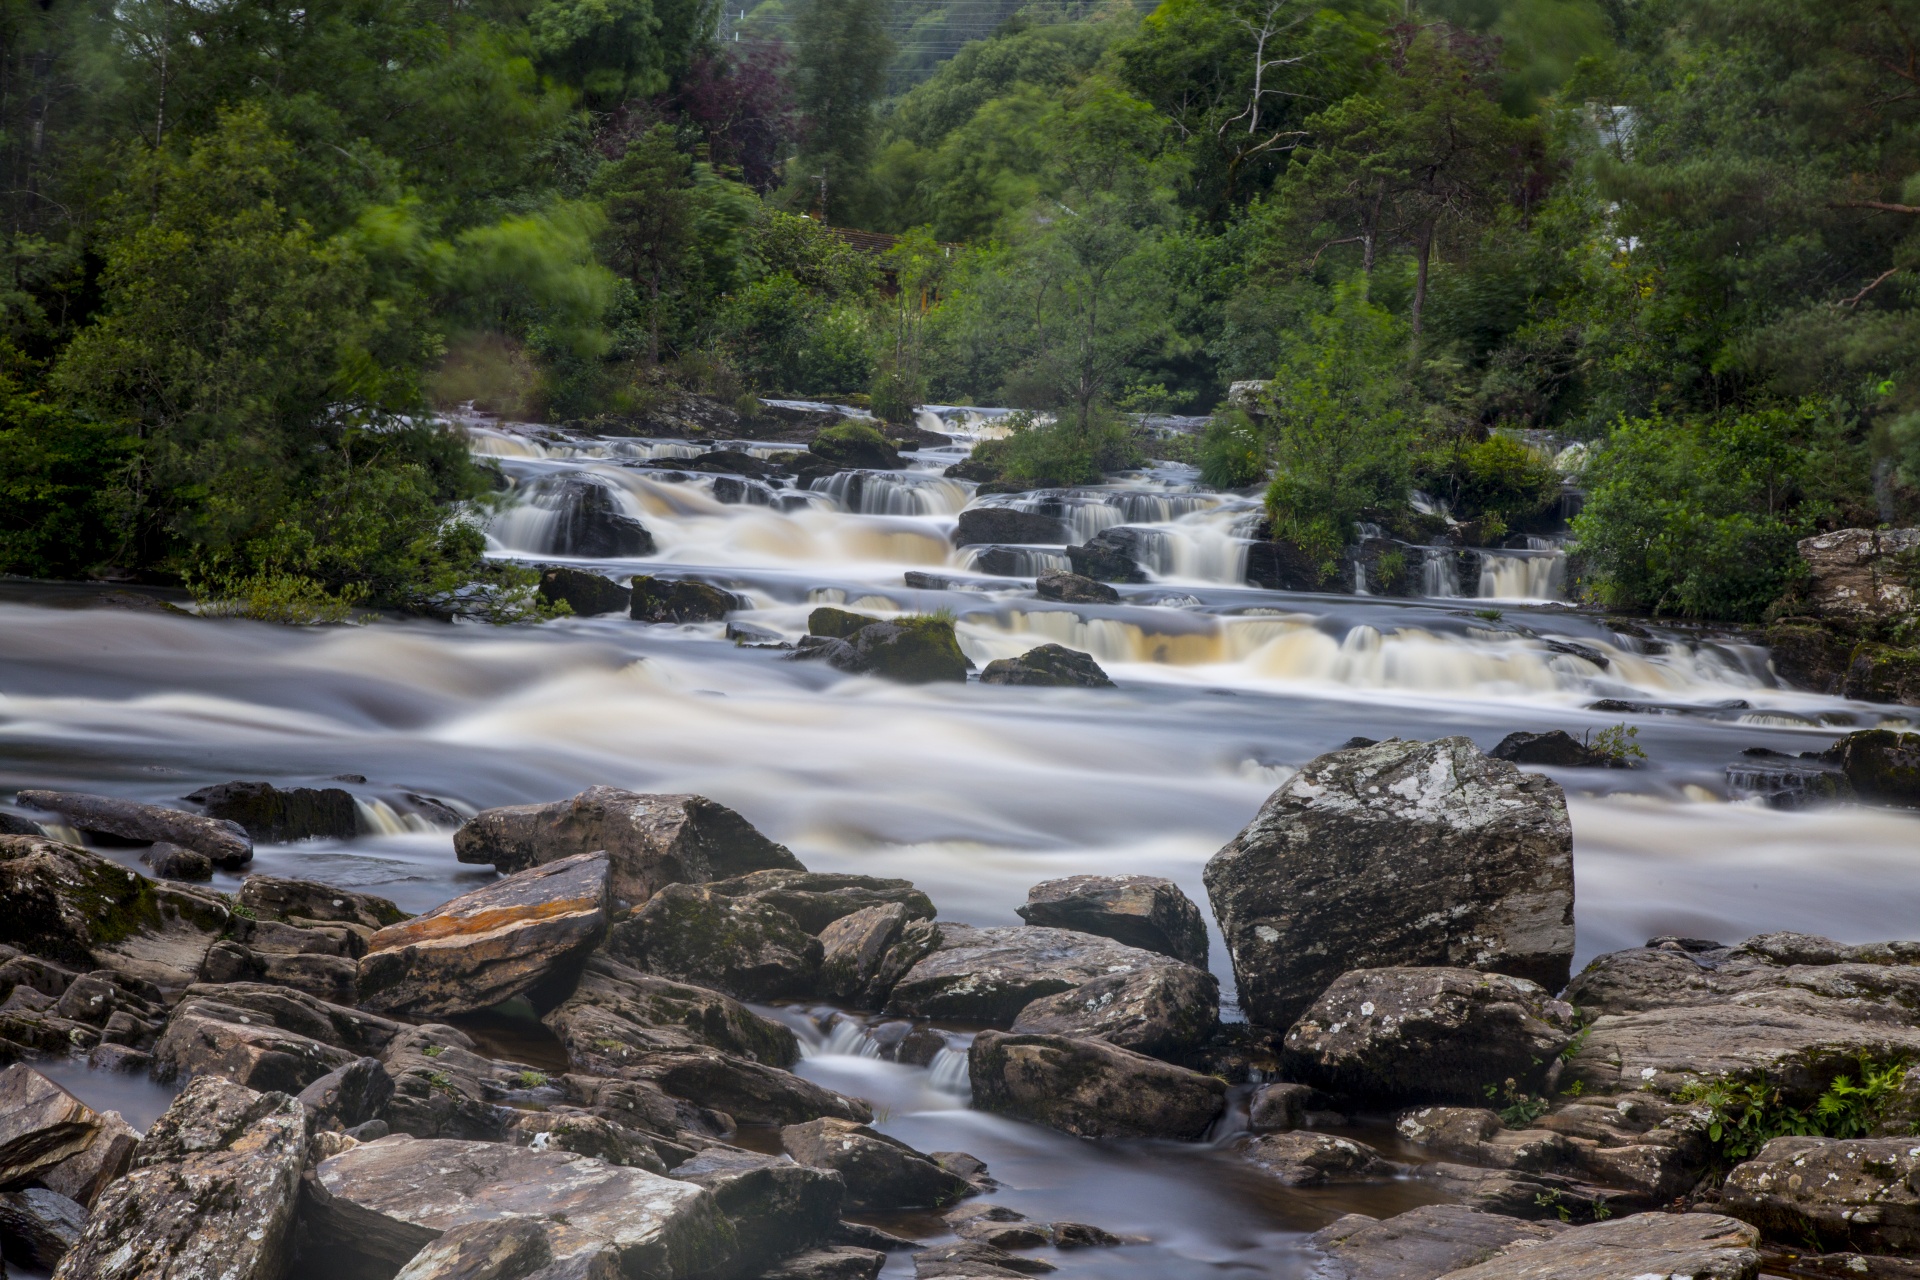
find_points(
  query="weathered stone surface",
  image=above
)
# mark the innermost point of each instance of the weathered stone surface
(279, 815)
(880, 1172)
(1429, 1034)
(1148, 912)
(1883, 673)
(1699, 1246)
(203, 1037)
(213, 1192)
(739, 945)
(387, 1200)
(1476, 1135)
(972, 1260)
(38, 1226)
(1090, 1088)
(349, 1096)
(1167, 1011)
(560, 1128)
(982, 526)
(918, 940)
(1555, 747)
(679, 600)
(1419, 1244)
(914, 650)
(1857, 1193)
(494, 1249)
(489, 945)
(590, 520)
(444, 1088)
(838, 624)
(776, 1207)
(1302, 1158)
(41, 1125)
(1073, 588)
(171, 862)
(72, 906)
(835, 1262)
(617, 1015)
(653, 840)
(306, 901)
(750, 1092)
(226, 844)
(1279, 1106)
(333, 978)
(1857, 573)
(356, 1030)
(587, 594)
(1112, 555)
(81, 1176)
(1399, 853)
(989, 975)
(1883, 766)
(1532, 1194)
(852, 949)
(1048, 665)
(644, 1106)
(816, 899)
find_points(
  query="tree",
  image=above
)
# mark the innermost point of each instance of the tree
(840, 74)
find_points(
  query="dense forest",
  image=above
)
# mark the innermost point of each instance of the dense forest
(251, 247)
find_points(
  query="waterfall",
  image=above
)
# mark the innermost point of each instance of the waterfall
(894, 493)
(1522, 575)
(1439, 573)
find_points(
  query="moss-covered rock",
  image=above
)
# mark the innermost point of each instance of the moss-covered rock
(679, 600)
(1884, 673)
(741, 946)
(837, 623)
(856, 444)
(1048, 664)
(1883, 766)
(911, 651)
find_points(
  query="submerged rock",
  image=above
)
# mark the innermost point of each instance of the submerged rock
(973, 1260)
(1149, 912)
(738, 945)
(1400, 853)
(1700, 1246)
(1048, 664)
(880, 1173)
(979, 526)
(587, 594)
(1073, 588)
(1857, 1193)
(279, 816)
(226, 844)
(1555, 747)
(489, 945)
(1421, 1243)
(679, 600)
(1090, 1088)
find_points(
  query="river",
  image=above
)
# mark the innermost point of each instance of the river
(974, 792)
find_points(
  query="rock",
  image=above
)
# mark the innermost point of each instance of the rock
(1090, 1088)
(80, 1177)
(970, 1260)
(835, 1262)
(349, 1096)
(492, 1249)
(278, 816)
(653, 840)
(680, 600)
(1276, 564)
(979, 526)
(171, 862)
(590, 521)
(1300, 1158)
(1530, 1194)
(224, 843)
(13, 824)
(1858, 573)
(41, 1125)
(1429, 1034)
(38, 1226)
(740, 945)
(997, 1225)
(1883, 766)
(587, 594)
(815, 899)
(852, 949)
(1556, 747)
(1048, 665)
(1112, 555)
(1401, 853)
(858, 1235)
(1416, 1245)
(386, 1200)
(1167, 1011)
(213, 1192)
(206, 1038)
(308, 900)
(750, 1092)
(489, 945)
(1855, 1266)
(616, 1015)
(990, 975)
(586, 1134)
(1477, 1135)
(1883, 673)
(1073, 588)
(880, 1173)
(1148, 912)
(855, 444)
(909, 650)
(1857, 1193)
(836, 623)
(776, 1207)
(1699, 1246)
(1277, 1107)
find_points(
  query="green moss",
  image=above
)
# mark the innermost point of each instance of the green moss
(922, 651)
(838, 623)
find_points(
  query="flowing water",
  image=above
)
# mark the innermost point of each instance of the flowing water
(975, 792)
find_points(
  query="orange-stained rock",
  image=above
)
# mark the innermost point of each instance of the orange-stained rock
(491, 944)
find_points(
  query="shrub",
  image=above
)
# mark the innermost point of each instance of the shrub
(1063, 452)
(1497, 477)
(1233, 452)
(60, 477)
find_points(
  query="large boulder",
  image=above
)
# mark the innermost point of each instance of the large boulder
(590, 522)
(1418, 1244)
(1699, 1246)
(492, 1249)
(1048, 665)
(837, 624)
(41, 1125)
(1167, 1011)
(1883, 766)
(979, 526)
(1073, 588)
(738, 945)
(1556, 747)
(1856, 1193)
(653, 840)
(1090, 1088)
(1858, 573)
(776, 1206)
(616, 1015)
(276, 816)
(1112, 555)
(815, 899)
(310, 901)
(679, 600)
(909, 650)
(586, 594)
(226, 844)
(1148, 912)
(855, 444)
(1302, 1158)
(206, 1036)
(1397, 853)
(489, 945)
(881, 1173)
(213, 1192)
(1429, 1034)
(384, 1201)
(990, 975)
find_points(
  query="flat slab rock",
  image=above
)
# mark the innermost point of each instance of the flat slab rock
(1417, 1245)
(489, 945)
(1090, 1088)
(990, 975)
(1149, 912)
(41, 1125)
(1398, 853)
(617, 1014)
(225, 844)
(1697, 1246)
(1848, 1193)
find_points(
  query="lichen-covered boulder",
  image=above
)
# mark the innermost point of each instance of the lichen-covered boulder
(1883, 766)
(880, 1173)
(1302, 1158)
(489, 945)
(679, 600)
(739, 945)
(1429, 1034)
(776, 1206)
(990, 975)
(278, 815)
(1090, 1088)
(1420, 1243)
(225, 843)
(616, 1015)
(491, 1249)
(852, 949)
(1854, 1193)
(310, 901)
(1149, 912)
(1048, 665)
(815, 899)
(1398, 853)
(213, 1192)
(1699, 1246)
(1858, 573)
(1073, 588)
(653, 840)
(1167, 1011)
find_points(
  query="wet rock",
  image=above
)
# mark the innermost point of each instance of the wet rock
(980, 526)
(835, 1262)
(1276, 564)
(306, 901)
(1430, 1034)
(1048, 665)
(1532, 1194)
(13, 824)
(591, 523)
(81, 1176)
(1090, 1088)
(679, 600)
(1167, 1011)
(855, 444)
(171, 862)
(278, 816)
(349, 1096)
(1148, 912)
(971, 1260)
(41, 1125)
(1112, 555)
(1301, 1158)
(653, 840)
(1421, 1243)
(750, 1092)
(1073, 588)
(859, 1235)
(1858, 573)
(587, 594)
(852, 949)
(203, 1037)
(213, 1192)
(880, 1173)
(738, 945)
(225, 844)
(617, 1015)
(1277, 1107)
(1556, 747)
(997, 1225)
(38, 1226)
(1883, 673)
(990, 975)
(1700, 1246)
(911, 650)
(494, 1249)
(837, 623)
(489, 945)
(387, 1200)
(777, 1207)
(1857, 1193)
(1401, 853)
(1883, 766)
(815, 899)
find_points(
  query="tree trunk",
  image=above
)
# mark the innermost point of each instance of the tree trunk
(1420, 276)
(653, 320)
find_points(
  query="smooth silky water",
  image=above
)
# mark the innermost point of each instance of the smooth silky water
(974, 792)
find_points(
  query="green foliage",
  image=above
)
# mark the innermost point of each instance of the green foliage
(1233, 451)
(1048, 454)
(1616, 742)
(60, 485)
(1744, 1115)
(1497, 476)
(1518, 1108)
(839, 74)
(531, 1079)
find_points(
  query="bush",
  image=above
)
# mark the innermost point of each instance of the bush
(1497, 477)
(1059, 453)
(1233, 452)
(60, 482)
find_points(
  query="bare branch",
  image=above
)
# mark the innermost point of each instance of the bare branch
(1878, 280)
